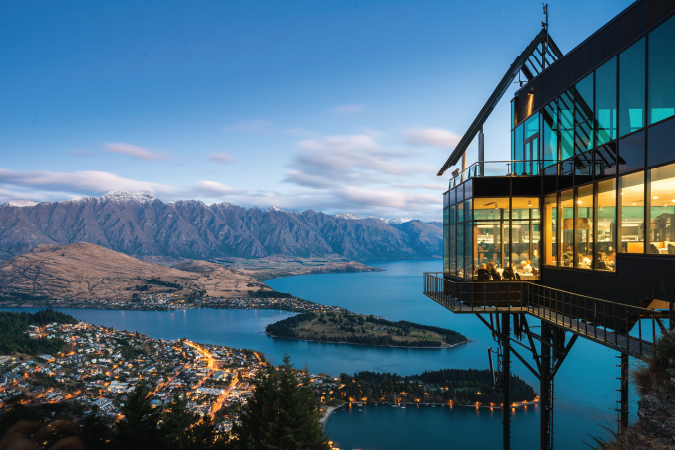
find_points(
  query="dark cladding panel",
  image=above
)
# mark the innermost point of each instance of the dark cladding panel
(492, 187)
(530, 186)
(637, 277)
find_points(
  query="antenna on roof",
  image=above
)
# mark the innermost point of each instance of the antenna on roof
(544, 25)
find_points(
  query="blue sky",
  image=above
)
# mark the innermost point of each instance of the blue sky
(340, 106)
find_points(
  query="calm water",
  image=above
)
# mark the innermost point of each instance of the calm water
(584, 390)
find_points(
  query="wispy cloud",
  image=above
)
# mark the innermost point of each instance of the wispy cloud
(81, 182)
(250, 126)
(133, 151)
(433, 137)
(222, 158)
(213, 189)
(348, 109)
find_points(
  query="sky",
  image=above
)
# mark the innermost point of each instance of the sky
(336, 106)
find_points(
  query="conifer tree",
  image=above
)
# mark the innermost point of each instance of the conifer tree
(281, 415)
(138, 430)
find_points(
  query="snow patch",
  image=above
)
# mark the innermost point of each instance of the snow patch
(274, 208)
(21, 203)
(352, 216)
(122, 196)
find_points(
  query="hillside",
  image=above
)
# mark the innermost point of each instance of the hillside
(86, 271)
(143, 226)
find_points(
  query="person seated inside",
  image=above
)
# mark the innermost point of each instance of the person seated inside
(493, 272)
(483, 273)
(567, 263)
(525, 268)
(569, 254)
(508, 274)
(586, 261)
(601, 263)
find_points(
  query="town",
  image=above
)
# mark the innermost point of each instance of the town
(171, 302)
(100, 366)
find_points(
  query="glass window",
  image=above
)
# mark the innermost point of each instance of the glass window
(525, 208)
(583, 115)
(606, 231)
(460, 212)
(490, 208)
(662, 72)
(662, 210)
(453, 250)
(521, 242)
(460, 250)
(518, 150)
(605, 99)
(469, 266)
(566, 124)
(550, 139)
(585, 227)
(551, 225)
(566, 214)
(631, 193)
(632, 88)
(446, 237)
(531, 145)
(488, 236)
(605, 160)
(459, 191)
(632, 152)
(661, 143)
(467, 210)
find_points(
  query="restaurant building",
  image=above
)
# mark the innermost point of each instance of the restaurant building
(575, 227)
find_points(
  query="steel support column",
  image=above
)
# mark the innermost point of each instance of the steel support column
(623, 408)
(506, 378)
(545, 388)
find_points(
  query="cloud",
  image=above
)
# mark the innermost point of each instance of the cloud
(81, 153)
(133, 151)
(348, 109)
(433, 137)
(250, 126)
(82, 182)
(216, 189)
(223, 158)
(430, 186)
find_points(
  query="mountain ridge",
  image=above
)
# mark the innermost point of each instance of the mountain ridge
(143, 226)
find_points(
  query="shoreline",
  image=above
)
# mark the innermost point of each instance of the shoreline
(370, 345)
(329, 411)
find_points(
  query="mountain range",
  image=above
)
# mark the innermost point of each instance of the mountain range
(143, 226)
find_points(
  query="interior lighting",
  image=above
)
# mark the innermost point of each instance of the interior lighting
(634, 204)
(579, 201)
(655, 197)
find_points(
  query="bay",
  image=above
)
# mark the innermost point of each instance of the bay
(584, 390)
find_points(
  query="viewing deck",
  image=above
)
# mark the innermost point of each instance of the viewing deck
(628, 329)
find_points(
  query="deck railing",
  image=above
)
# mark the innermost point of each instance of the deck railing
(629, 329)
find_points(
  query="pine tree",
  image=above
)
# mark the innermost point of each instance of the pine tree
(281, 415)
(176, 421)
(139, 428)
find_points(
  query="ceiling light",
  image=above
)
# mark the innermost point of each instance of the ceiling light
(634, 204)
(654, 197)
(579, 201)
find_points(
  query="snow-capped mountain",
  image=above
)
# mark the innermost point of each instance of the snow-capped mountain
(141, 225)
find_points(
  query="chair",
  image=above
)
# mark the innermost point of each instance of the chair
(653, 249)
(671, 249)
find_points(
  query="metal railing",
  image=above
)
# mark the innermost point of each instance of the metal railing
(513, 168)
(629, 329)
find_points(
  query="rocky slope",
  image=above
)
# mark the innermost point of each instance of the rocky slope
(85, 271)
(143, 226)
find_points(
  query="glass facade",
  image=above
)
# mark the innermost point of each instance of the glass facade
(609, 143)
(495, 238)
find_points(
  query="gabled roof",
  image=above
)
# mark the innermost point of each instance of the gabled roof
(541, 53)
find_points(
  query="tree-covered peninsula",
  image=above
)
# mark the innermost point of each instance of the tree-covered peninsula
(459, 386)
(361, 329)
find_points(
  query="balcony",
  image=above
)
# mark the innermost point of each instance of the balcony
(629, 329)
(513, 168)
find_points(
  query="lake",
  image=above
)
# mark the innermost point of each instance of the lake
(584, 389)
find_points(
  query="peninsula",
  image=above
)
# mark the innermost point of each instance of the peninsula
(350, 328)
